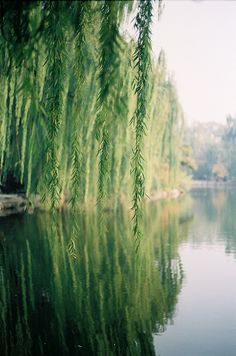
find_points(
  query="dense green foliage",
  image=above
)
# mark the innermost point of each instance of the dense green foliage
(82, 106)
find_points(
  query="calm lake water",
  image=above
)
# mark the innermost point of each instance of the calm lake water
(73, 285)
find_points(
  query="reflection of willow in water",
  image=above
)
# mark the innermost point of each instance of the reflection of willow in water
(107, 301)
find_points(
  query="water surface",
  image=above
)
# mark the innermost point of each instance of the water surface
(80, 289)
(205, 316)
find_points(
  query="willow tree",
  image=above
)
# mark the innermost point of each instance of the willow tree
(71, 83)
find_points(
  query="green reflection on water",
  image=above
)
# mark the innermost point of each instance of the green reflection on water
(102, 299)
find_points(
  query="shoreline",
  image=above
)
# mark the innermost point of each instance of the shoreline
(211, 184)
(15, 204)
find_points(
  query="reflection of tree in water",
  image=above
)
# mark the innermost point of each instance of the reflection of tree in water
(215, 212)
(106, 301)
(228, 221)
(207, 209)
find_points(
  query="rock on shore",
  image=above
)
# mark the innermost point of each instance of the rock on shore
(12, 204)
(164, 194)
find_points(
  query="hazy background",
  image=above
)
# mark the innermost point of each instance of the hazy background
(199, 39)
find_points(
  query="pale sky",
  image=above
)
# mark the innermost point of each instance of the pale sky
(199, 39)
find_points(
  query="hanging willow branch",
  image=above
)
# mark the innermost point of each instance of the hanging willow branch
(108, 71)
(76, 163)
(77, 122)
(56, 61)
(142, 65)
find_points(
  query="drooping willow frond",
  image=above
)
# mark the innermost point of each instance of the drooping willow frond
(108, 71)
(77, 121)
(56, 62)
(142, 66)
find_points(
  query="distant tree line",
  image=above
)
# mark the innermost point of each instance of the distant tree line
(213, 148)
